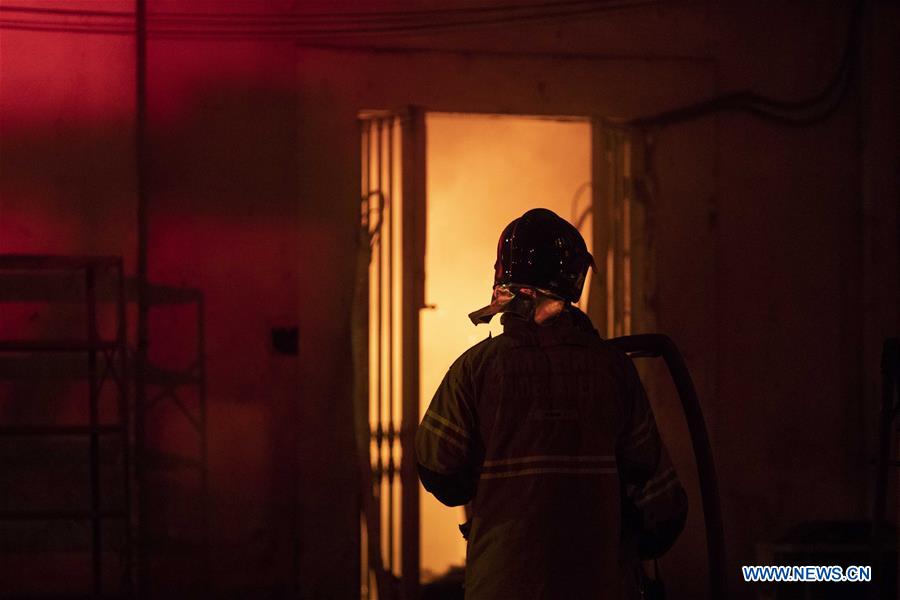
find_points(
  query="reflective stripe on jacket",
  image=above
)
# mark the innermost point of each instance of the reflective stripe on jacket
(548, 432)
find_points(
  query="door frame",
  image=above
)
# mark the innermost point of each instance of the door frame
(607, 160)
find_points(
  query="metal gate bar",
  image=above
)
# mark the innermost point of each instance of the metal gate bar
(392, 150)
(378, 210)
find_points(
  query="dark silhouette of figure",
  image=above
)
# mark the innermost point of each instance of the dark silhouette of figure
(547, 431)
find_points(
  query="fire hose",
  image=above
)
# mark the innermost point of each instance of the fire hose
(653, 345)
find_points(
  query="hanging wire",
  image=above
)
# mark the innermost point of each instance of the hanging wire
(391, 16)
(797, 113)
(345, 16)
(579, 217)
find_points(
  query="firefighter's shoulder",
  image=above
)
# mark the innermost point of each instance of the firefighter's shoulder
(482, 353)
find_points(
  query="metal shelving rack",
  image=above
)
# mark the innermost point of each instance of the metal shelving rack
(114, 355)
(172, 386)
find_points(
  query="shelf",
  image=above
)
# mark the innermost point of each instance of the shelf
(170, 377)
(41, 367)
(28, 279)
(45, 261)
(51, 280)
(50, 430)
(164, 295)
(57, 345)
(170, 543)
(54, 515)
(155, 459)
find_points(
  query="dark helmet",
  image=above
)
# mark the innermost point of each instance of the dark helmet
(542, 250)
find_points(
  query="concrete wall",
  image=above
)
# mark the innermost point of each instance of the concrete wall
(776, 248)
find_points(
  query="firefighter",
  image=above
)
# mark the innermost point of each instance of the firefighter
(547, 432)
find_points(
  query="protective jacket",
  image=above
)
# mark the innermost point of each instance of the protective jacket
(547, 431)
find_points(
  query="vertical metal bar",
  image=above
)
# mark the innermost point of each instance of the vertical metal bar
(384, 395)
(390, 352)
(366, 208)
(365, 572)
(610, 218)
(375, 136)
(598, 301)
(204, 442)
(413, 299)
(364, 170)
(375, 216)
(125, 419)
(360, 352)
(618, 235)
(641, 267)
(141, 177)
(96, 538)
(627, 202)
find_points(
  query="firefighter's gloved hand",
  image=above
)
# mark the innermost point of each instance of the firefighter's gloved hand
(650, 587)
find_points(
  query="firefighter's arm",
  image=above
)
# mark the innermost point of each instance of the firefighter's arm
(655, 500)
(446, 439)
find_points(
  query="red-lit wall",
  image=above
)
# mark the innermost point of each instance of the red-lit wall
(777, 249)
(223, 220)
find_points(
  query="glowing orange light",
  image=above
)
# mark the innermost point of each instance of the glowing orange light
(483, 171)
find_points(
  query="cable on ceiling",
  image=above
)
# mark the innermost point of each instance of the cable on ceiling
(302, 25)
(792, 113)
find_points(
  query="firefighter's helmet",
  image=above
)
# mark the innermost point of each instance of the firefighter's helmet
(544, 251)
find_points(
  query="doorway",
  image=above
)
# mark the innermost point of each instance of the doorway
(437, 189)
(483, 171)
